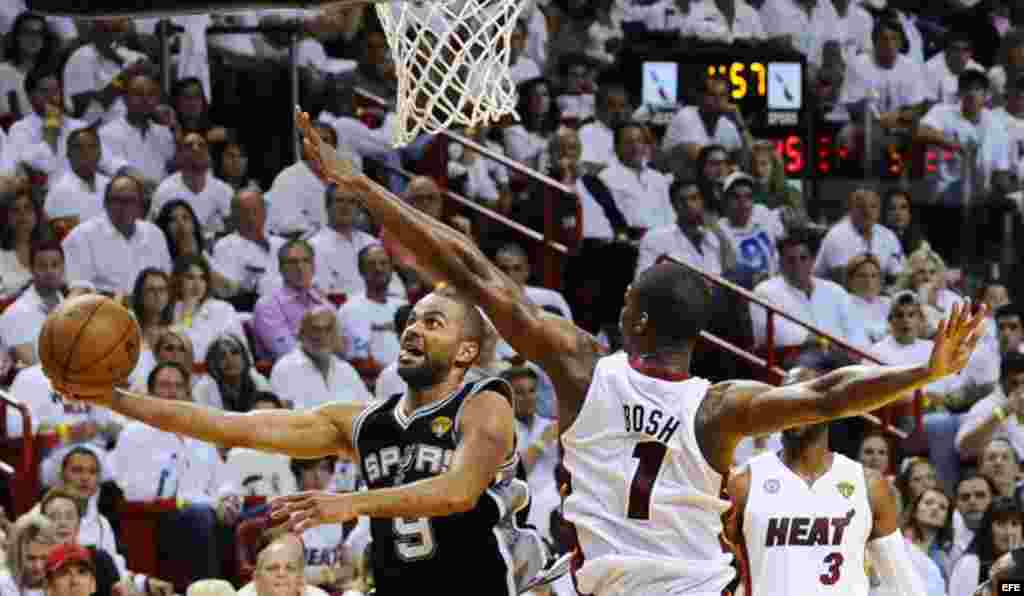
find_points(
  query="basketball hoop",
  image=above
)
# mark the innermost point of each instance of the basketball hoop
(452, 63)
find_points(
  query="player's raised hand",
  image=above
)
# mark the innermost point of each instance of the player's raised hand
(323, 158)
(956, 338)
(302, 511)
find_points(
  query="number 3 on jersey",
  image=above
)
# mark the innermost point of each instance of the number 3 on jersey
(834, 561)
(651, 454)
(414, 538)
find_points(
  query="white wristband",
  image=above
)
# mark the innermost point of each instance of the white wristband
(140, 582)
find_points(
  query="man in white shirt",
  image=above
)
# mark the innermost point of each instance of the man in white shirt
(694, 238)
(1010, 328)
(22, 321)
(96, 73)
(641, 193)
(78, 194)
(891, 82)
(597, 138)
(312, 374)
(942, 71)
(367, 319)
(209, 196)
(905, 346)
(796, 291)
(153, 464)
(297, 195)
(999, 415)
(856, 234)
(248, 256)
(1012, 115)
(137, 136)
(973, 136)
(694, 127)
(71, 421)
(38, 142)
(112, 249)
(337, 247)
(513, 260)
(974, 494)
(752, 230)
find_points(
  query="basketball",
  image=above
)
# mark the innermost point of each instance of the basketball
(89, 344)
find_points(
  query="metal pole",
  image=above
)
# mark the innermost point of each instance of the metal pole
(164, 30)
(293, 67)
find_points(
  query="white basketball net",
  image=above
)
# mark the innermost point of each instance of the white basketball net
(452, 62)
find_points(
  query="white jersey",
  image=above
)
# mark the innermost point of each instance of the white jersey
(807, 539)
(645, 503)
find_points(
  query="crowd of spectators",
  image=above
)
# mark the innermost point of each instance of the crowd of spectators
(257, 286)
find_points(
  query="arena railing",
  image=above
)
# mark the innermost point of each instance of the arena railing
(25, 477)
(769, 363)
(553, 191)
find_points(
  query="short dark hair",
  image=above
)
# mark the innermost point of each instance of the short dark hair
(114, 179)
(676, 300)
(35, 76)
(621, 129)
(890, 22)
(796, 237)
(402, 318)
(265, 396)
(1012, 364)
(517, 372)
(79, 450)
(364, 252)
(76, 134)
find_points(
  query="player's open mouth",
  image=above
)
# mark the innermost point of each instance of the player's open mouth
(410, 352)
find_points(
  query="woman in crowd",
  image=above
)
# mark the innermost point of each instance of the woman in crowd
(185, 238)
(527, 140)
(25, 223)
(899, 217)
(864, 283)
(917, 475)
(925, 273)
(232, 382)
(928, 530)
(151, 303)
(196, 312)
(30, 43)
(770, 174)
(171, 345)
(1000, 532)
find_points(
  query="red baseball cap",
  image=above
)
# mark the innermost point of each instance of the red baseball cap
(65, 554)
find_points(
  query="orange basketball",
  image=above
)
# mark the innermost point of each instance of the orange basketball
(89, 344)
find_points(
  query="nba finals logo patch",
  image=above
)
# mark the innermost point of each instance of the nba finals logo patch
(845, 488)
(440, 426)
(771, 486)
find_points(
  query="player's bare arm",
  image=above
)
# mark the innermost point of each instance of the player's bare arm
(488, 438)
(565, 352)
(885, 513)
(324, 431)
(737, 409)
(887, 550)
(738, 490)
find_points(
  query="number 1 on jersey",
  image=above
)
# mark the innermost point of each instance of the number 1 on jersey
(651, 454)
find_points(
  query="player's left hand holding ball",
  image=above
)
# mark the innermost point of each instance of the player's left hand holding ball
(306, 510)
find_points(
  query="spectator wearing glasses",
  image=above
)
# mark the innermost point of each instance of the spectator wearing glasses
(277, 315)
(112, 249)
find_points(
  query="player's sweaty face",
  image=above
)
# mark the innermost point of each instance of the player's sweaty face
(429, 341)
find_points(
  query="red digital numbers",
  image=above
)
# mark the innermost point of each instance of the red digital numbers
(791, 151)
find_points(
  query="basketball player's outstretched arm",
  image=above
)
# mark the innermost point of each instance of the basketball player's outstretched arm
(323, 431)
(737, 409)
(567, 353)
(486, 426)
